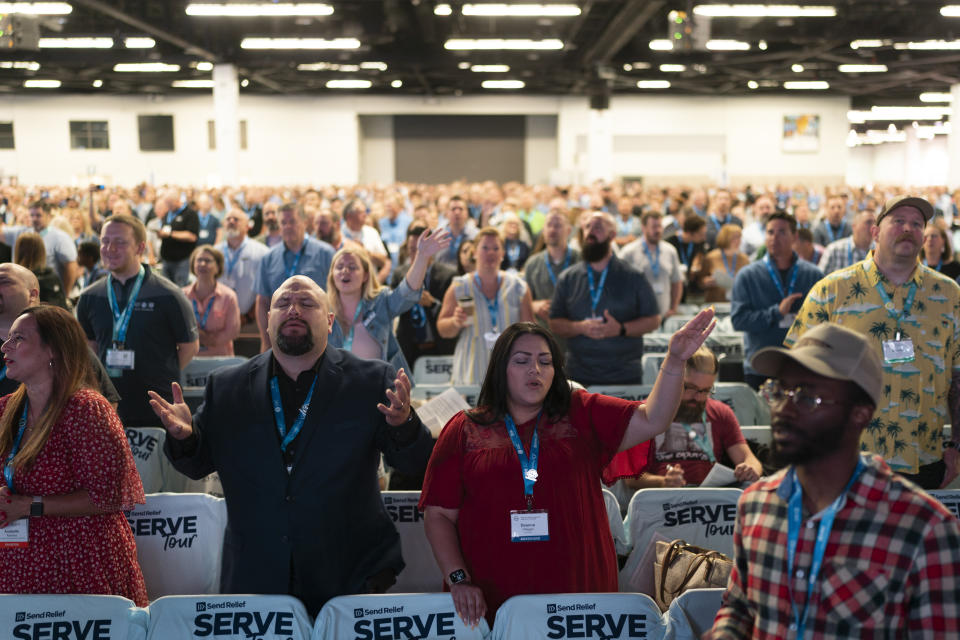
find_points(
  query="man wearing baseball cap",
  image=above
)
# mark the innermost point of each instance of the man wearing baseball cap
(836, 545)
(910, 314)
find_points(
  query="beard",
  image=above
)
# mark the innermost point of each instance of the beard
(272, 225)
(594, 250)
(295, 345)
(690, 412)
(327, 237)
(805, 446)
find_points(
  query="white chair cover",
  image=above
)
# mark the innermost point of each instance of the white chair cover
(616, 523)
(421, 574)
(71, 616)
(146, 444)
(195, 374)
(267, 617)
(692, 613)
(433, 369)
(599, 616)
(426, 616)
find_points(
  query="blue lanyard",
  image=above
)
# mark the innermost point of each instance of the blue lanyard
(121, 320)
(775, 276)
(716, 222)
(204, 220)
(686, 250)
(513, 254)
(794, 520)
(455, 245)
(8, 467)
(3, 373)
(890, 306)
(833, 235)
(231, 257)
(700, 440)
(726, 265)
(653, 259)
(939, 264)
(287, 437)
(596, 290)
(849, 252)
(292, 270)
(493, 306)
(550, 272)
(625, 225)
(527, 464)
(170, 217)
(348, 343)
(202, 322)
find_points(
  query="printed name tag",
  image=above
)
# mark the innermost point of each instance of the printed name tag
(895, 351)
(490, 337)
(15, 535)
(167, 228)
(204, 234)
(529, 526)
(658, 289)
(787, 321)
(120, 358)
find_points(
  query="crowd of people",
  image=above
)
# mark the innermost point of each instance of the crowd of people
(532, 291)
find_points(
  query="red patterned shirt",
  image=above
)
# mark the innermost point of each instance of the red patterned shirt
(891, 567)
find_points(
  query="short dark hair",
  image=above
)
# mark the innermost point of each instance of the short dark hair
(786, 217)
(650, 215)
(214, 253)
(492, 401)
(693, 223)
(805, 234)
(139, 231)
(89, 249)
(43, 205)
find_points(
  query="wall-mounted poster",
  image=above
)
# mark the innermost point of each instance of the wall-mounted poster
(801, 134)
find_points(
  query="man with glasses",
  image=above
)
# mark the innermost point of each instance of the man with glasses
(836, 545)
(911, 316)
(704, 432)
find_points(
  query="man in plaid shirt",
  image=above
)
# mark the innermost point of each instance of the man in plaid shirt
(836, 545)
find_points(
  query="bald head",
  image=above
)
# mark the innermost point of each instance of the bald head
(19, 289)
(299, 319)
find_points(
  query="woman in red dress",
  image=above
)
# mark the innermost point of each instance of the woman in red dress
(68, 473)
(512, 499)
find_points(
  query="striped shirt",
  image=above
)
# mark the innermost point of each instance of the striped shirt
(890, 570)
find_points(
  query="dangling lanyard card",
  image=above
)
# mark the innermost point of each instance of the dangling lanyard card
(531, 524)
(15, 534)
(897, 351)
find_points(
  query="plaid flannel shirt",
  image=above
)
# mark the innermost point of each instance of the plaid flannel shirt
(891, 567)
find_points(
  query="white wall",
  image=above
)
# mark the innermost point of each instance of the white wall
(888, 164)
(319, 139)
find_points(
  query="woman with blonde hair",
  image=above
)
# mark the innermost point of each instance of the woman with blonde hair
(68, 474)
(364, 309)
(726, 258)
(30, 252)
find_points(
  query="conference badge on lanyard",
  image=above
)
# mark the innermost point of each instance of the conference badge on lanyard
(17, 533)
(898, 350)
(529, 525)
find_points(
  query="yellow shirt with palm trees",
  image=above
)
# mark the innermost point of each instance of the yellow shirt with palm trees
(907, 428)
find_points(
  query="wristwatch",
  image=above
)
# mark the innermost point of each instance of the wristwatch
(36, 507)
(458, 577)
(950, 444)
(623, 330)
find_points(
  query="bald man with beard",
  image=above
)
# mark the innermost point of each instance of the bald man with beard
(296, 434)
(20, 289)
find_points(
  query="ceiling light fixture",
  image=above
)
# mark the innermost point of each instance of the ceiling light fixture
(299, 43)
(244, 83)
(862, 68)
(503, 84)
(76, 43)
(37, 83)
(521, 10)
(97, 83)
(934, 96)
(204, 66)
(374, 66)
(950, 11)
(253, 9)
(762, 45)
(661, 45)
(929, 45)
(796, 68)
(192, 84)
(753, 84)
(653, 84)
(36, 8)
(806, 85)
(503, 43)
(442, 10)
(908, 113)
(349, 84)
(866, 44)
(673, 68)
(139, 42)
(145, 67)
(490, 68)
(763, 11)
(28, 65)
(728, 45)
(396, 84)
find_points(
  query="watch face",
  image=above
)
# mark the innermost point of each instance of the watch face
(458, 576)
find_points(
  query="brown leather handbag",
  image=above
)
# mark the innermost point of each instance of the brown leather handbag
(680, 566)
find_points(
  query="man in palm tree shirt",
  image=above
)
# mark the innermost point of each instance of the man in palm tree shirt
(911, 314)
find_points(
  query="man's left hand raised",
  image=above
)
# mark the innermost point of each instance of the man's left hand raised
(399, 409)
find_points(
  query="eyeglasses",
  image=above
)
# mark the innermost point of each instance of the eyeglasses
(773, 393)
(697, 391)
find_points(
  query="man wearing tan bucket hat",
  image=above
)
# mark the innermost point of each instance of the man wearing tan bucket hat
(910, 314)
(836, 545)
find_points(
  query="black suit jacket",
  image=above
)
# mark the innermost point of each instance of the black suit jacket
(326, 517)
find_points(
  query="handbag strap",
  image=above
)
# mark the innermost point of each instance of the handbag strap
(676, 547)
(708, 556)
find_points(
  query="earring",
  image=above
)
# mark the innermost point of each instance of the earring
(51, 364)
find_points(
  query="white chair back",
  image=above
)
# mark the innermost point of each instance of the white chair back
(268, 617)
(421, 573)
(54, 617)
(426, 616)
(195, 374)
(425, 392)
(746, 403)
(433, 369)
(146, 444)
(179, 542)
(650, 363)
(616, 522)
(702, 517)
(692, 613)
(598, 616)
(950, 498)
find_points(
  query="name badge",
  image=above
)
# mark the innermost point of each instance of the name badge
(490, 338)
(896, 351)
(120, 358)
(204, 234)
(787, 321)
(15, 535)
(167, 228)
(529, 526)
(658, 289)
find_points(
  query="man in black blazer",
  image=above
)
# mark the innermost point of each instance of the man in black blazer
(295, 434)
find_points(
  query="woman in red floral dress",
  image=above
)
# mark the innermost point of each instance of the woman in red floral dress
(68, 473)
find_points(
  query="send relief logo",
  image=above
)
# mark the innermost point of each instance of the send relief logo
(581, 620)
(48, 625)
(390, 623)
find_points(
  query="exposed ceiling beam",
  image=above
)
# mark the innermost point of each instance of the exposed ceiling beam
(628, 21)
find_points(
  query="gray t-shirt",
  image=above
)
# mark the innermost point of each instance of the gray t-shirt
(627, 295)
(537, 274)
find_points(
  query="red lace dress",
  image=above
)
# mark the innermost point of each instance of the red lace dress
(87, 449)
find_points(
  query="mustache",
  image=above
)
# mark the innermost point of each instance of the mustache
(907, 237)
